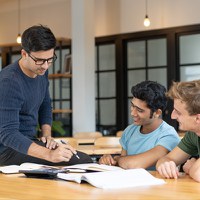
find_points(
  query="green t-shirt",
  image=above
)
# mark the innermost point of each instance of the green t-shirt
(190, 144)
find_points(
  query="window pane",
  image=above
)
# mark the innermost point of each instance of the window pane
(107, 57)
(108, 112)
(189, 73)
(57, 89)
(159, 75)
(56, 66)
(190, 49)
(65, 88)
(107, 84)
(157, 52)
(134, 77)
(15, 57)
(136, 54)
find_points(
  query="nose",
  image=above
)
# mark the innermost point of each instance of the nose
(173, 114)
(133, 111)
(45, 65)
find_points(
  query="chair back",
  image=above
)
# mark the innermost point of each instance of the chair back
(119, 133)
(82, 135)
(107, 141)
(70, 140)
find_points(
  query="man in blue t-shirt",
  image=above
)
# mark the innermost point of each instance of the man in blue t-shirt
(149, 137)
(25, 102)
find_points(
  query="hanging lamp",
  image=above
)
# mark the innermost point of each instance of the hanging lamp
(19, 34)
(146, 19)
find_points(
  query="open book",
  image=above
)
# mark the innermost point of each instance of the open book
(89, 167)
(114, 179)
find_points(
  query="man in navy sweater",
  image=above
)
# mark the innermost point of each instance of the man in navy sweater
(25, 102)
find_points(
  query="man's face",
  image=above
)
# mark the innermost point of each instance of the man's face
(140, 112)
(186, 122)
(34, 63)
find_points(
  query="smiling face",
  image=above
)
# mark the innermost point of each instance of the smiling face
(186, 122)
(141, 113)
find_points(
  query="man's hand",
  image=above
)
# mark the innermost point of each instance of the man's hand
(168, 169)
(107, 159)
(189, 163)
(63, 152)
(50, 142)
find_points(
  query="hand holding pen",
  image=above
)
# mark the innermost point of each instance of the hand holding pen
(63, 142)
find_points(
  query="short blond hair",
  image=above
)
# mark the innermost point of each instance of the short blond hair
(189, 93)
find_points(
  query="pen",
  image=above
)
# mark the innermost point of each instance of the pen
(63, 142)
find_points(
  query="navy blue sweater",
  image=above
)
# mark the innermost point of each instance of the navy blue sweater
(24, 102)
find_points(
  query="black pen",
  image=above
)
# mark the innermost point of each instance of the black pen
(63, 142)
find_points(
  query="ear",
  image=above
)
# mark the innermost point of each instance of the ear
(198, 118)
(23, 53)
(158, 113)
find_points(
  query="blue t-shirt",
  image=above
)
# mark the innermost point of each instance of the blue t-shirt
(135, 142)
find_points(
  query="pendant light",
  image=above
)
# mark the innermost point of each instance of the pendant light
(19, 35)
(146, 19)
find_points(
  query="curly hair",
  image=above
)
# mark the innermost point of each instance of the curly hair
(152, 93)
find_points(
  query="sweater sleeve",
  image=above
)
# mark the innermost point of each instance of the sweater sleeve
(10, 103)
(45, 110)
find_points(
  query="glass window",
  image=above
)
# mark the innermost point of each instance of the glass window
(107, 84)
(158, 75)
(15, 57)
(108, 112)
(107, 57)
(134, 77)
(189, 73)
(136, 54)
(157, 52)
(190, 49)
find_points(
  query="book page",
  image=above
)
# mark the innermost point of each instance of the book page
(121, 179)
(93, 166)
(115, 179)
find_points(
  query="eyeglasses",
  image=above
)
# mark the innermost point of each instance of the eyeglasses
(40, 61)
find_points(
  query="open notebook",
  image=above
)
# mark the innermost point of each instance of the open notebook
(89, 167)
(114, 179)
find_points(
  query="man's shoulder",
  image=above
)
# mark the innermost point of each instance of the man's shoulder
(9, 71)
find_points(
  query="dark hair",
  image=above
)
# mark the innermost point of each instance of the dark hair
(38, 38)
(152, 93)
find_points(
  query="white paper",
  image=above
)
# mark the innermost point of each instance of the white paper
(115, 179)
(13, 169)
(93, 166)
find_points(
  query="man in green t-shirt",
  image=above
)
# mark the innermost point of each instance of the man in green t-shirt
(186, 96)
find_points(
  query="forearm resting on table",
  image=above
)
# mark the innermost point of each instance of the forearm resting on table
(131, 162)
(38, 151)
(194, 171)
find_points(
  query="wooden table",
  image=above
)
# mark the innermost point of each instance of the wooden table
(97, 150)
(18, 187)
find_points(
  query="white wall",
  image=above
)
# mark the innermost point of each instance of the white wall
(54, 13)
(111, 16)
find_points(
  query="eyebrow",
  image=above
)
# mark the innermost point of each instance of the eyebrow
(177, 111)
(136, 106)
